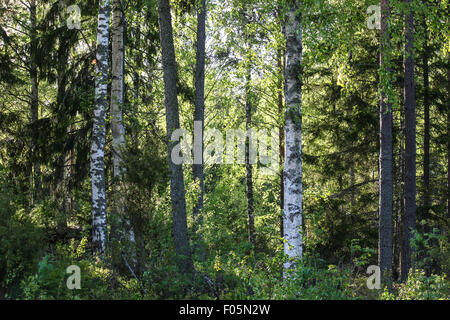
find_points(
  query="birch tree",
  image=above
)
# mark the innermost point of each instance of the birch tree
(293, 188)
(117, 128)
(281, 138)
(118, 132)
(98, 133)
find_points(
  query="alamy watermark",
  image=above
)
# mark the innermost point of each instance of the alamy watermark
(74, 280)
(230, 150)
(373, 21)
(374, 280)
(74, 19)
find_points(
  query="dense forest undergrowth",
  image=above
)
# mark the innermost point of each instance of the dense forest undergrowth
(235, 149)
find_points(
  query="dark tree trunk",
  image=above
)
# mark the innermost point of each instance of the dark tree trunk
(398, 213)
(409, 222)
(248, 165)
(63, 174)
(426, 135)
(448, 143)
(385, 175)
(141, 252)
(199, 122)
(177, 191)
(34, 105)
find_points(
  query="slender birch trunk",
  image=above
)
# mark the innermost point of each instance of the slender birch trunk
(98, 133)
(177, 191)
(293, 188)
(281, 139)
(385, 175)
(118, 131)
(410, 144)
(117, 128)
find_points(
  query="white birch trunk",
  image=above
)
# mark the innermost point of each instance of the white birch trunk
(118, 132)
(117, 128)
(98, 134)
(293, 193)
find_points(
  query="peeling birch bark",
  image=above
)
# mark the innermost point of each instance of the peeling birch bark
(293, 188)
(98, 133)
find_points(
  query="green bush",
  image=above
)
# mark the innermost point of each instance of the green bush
(420, 287)
(261, 277)
(97, 282)
(312, 279)
(20, 244)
